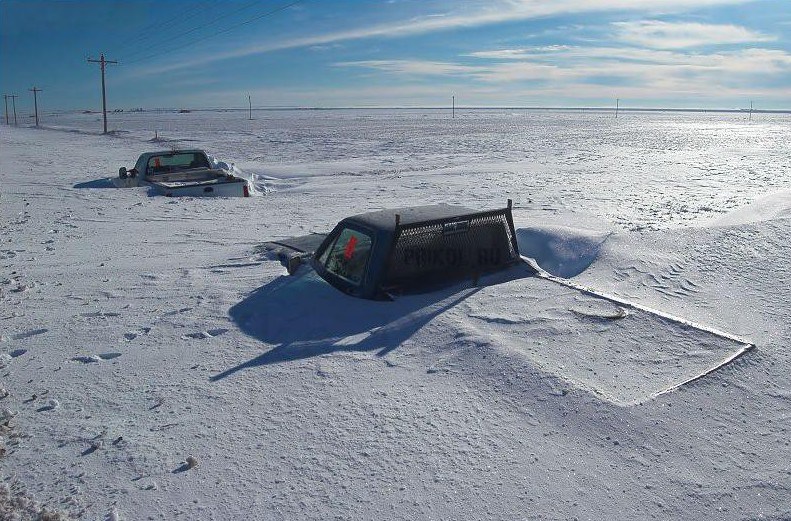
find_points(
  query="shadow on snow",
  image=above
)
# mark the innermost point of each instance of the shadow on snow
(96, 183)
(303, 317)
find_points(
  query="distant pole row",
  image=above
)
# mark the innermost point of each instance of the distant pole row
(35, 90)
(13, 104)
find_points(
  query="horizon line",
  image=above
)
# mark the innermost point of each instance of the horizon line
(427, 107)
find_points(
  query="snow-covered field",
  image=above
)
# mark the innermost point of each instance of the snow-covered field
(139, 331)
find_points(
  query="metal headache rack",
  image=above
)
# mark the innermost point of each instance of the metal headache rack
(451, 248)
(374, 254)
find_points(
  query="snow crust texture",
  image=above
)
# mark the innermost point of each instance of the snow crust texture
(154, 364)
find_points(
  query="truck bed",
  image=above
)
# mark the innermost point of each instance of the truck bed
(202, 182)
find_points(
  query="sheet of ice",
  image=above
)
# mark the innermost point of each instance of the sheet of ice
(625, 356)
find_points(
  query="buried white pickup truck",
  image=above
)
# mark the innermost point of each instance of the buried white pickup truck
(182, 172)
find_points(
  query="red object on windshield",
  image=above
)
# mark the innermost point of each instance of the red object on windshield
(349, 250)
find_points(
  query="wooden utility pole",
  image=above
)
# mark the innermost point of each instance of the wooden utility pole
(617, 102)
(102, 63)
(5, 98)
(35, 91)
(13, 102)
(453, 104)
(250, 103)
(751, 110)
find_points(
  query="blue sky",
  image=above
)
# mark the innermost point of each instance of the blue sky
(201, 54)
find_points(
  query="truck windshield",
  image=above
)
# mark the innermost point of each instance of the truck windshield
(175, 162)
(348, 256)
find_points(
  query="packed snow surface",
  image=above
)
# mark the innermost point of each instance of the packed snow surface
(767, 207)
(156, 365)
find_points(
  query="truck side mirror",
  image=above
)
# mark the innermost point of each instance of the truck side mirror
(122, 172)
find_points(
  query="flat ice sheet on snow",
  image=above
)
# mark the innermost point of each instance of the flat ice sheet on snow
(626, 356)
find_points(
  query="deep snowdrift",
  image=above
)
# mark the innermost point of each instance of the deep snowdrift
(561, 250)
(142, 331)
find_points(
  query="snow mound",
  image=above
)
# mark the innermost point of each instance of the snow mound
(255, 185)
(560, 250)
(769, 207)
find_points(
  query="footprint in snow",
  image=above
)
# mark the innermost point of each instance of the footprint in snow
(131, 335)
(100, 314)
(176, 312)
(21, 288)
(87, 359)
(30, 333)
(51, 406)
(92, 359)
(211, 333)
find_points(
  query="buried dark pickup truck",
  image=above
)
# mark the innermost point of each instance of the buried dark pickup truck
(376, 254)
(381, 254)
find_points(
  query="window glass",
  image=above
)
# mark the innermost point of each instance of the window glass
(173, 162)
(348, 256)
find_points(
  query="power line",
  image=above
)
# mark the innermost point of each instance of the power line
(228, 29)
(190, 31)
(174, 21)
(102, 62)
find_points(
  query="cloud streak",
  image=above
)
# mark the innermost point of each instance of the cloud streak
(666, 35)
(661, 72)
(486, 14)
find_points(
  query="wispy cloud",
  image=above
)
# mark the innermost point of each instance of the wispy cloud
(499, 73)
(416, 67)
(433, 94)
(754, 60)
(647, 71)
(484, 14)
(678, 35)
